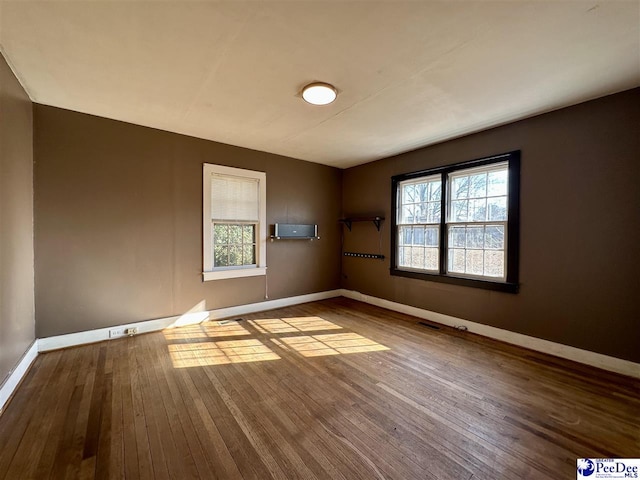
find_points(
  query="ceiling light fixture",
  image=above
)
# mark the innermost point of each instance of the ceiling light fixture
(319, 93)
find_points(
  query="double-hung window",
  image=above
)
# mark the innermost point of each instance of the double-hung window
(419, 214)
(234, 222)
(459, 224)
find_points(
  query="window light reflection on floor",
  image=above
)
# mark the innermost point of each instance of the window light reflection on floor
(219, 353)
(330, 344)
(206, 330)
(294, 324)
(198, 345)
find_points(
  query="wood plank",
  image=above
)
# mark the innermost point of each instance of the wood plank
(179, 406)
(40, 441)
(155, 417)
(103, 453)
(29, 395)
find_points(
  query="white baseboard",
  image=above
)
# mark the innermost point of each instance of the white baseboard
(14, 378)
(190, 318)
(586, 357)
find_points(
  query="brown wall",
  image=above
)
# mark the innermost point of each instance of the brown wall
(16, 222)
(580, 225)
(118, 211)
(118, 225)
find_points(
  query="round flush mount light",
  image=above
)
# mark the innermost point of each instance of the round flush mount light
(319, 93)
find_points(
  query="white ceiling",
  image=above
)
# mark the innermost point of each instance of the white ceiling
(409, 74)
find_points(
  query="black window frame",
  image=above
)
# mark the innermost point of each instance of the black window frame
(511, 284)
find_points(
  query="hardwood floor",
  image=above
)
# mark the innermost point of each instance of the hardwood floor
(332, 389)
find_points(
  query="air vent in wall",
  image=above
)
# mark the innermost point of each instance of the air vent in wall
(424, 324)
(294, 231)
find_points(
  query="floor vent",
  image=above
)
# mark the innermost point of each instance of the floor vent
(424, 324)
(225, 322)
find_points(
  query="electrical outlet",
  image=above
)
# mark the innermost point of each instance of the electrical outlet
(131, 331)
(116, 332)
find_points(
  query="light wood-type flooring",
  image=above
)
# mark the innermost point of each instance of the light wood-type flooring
(332, 389)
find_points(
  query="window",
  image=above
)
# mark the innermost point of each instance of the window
(234, 222)
(459, 224)
(419, 214)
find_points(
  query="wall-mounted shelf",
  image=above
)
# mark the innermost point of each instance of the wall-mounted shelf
(377, 221)
(273, 237)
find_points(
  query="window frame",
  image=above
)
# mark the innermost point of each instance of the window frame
(242, 244)
(209, 272)
(512, 235)
(399, 226)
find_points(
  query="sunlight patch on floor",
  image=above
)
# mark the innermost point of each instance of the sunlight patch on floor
(292, 325)
(206, 330)
(198, 345)
(219, 353)
(329, 344)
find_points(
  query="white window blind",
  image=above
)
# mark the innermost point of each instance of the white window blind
(235, 199)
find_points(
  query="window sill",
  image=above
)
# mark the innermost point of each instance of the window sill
(236, 273)
(462, 281)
